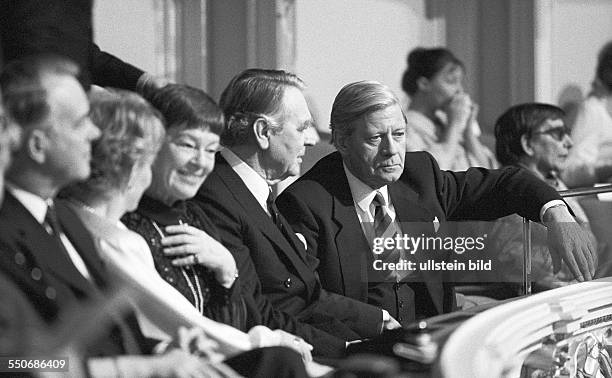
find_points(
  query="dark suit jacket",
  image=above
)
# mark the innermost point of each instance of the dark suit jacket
(320, 206)
(31, 259)
(287, 273)
(62, 27)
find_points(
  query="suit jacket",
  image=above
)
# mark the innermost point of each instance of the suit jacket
(287, 273)
(33, 260)
(320, 206)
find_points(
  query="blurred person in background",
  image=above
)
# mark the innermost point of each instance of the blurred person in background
(590, 160)
(535, 137)
(441, 116)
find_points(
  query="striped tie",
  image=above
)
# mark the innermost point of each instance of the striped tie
(384, 227)
(382, 219)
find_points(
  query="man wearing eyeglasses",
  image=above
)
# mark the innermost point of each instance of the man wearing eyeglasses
(533, 136)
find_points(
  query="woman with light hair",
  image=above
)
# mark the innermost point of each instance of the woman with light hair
(132, 133)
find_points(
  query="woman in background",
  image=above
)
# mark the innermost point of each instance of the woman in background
(590, 161)
(441, 117)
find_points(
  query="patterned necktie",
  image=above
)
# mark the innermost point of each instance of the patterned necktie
(382, 219)
(384, 227)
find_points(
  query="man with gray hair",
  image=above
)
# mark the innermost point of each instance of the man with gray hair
(266, 119)
(371, 188)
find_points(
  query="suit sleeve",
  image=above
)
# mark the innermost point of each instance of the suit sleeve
(259, 307)
(483, 194)
(110, 71)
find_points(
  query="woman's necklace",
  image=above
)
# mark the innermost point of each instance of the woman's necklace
(194, 287)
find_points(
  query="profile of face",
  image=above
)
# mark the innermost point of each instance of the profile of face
(140, 179)
(375, 151)
(185, 159)
(548, 146)
(284, 150)
(10, 137)
(68, 132)
(445, 84)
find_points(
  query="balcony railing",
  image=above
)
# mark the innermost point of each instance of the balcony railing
(578, 192)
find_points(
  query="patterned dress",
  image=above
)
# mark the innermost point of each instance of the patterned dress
(197, 283)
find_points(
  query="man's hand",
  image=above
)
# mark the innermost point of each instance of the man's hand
(568, 241)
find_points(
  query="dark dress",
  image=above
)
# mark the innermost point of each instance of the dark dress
(196, 283)
(240, 307)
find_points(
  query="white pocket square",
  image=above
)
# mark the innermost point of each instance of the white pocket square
(302, 239)
(436, 224)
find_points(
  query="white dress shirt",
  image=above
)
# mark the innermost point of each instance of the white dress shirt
(256, 184)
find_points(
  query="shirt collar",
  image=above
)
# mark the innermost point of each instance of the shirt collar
(253, 181)
(362, 193)
(36, 205)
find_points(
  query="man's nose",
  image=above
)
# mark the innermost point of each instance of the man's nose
(568, 142)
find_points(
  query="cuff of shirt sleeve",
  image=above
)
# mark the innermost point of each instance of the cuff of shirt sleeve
(550, 205)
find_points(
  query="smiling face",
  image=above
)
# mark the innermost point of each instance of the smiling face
(376, 149)
(186, 158)
(288, 146)
(549, 145)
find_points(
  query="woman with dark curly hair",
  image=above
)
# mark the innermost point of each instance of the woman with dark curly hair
(441, 116)
(132, 133)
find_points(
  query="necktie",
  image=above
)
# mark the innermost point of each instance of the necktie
(384, 227)
(273, 210)
(276, 218)
(382, 219)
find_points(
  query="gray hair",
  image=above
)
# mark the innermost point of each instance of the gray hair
(356, 100)
(250, 95)
(24, 95)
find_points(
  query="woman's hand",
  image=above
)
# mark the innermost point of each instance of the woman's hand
(458, 111)
(195, 246)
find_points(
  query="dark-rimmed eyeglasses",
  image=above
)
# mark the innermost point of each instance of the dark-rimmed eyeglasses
(558, 133)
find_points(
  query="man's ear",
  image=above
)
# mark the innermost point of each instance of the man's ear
(261, 131)
(423, 84)
(36, 146)
(341, 143)
(526, 144)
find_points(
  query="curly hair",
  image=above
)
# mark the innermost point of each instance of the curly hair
(132, 132)
(426, 63)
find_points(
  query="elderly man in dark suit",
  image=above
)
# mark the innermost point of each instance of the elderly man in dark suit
(371, 188)
(266, 118)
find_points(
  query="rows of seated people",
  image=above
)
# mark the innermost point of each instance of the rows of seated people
(166, 204)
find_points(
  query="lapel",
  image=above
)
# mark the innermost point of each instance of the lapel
(29, 234)
(349, 238)
(82, 241)
(409, 209)
(286, 242)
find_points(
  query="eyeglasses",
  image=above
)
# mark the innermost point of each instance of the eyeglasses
(558, 133)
